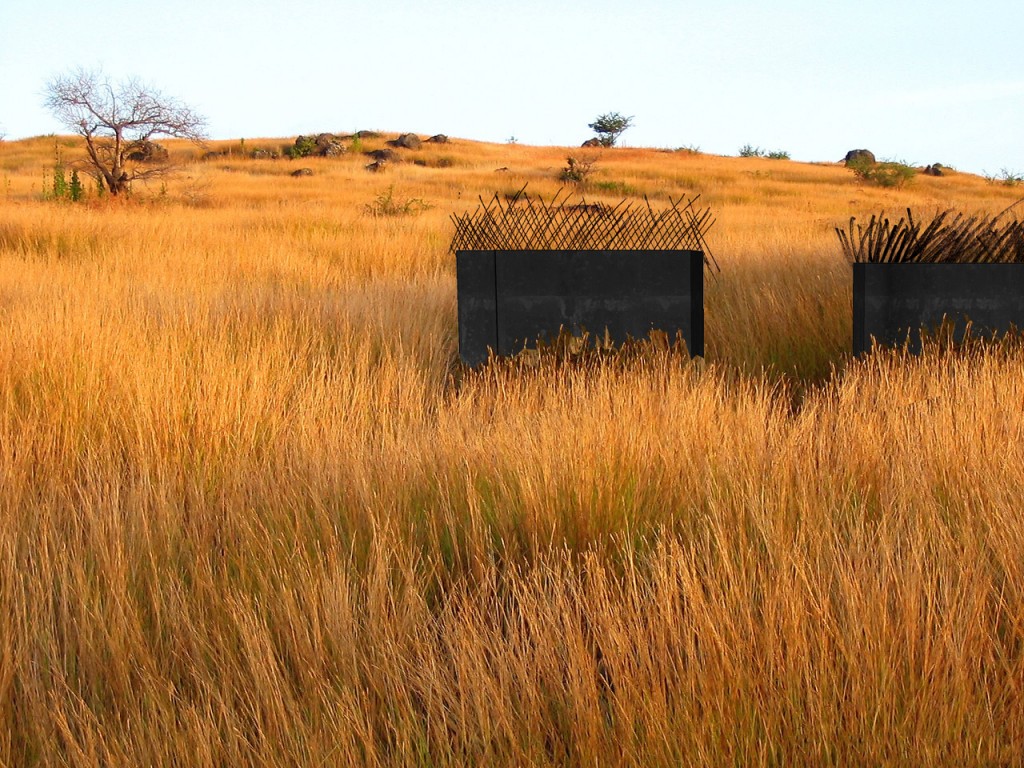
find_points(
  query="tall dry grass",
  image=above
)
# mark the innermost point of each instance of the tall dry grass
(251, 513)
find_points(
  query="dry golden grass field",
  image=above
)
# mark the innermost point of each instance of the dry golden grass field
(252, 512)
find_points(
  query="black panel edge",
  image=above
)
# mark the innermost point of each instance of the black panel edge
(477, 313)
(696, 344)
(860, 344)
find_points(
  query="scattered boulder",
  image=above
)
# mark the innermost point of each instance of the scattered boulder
(376, 166)
(935, 169)
(503, 169)
(434, 162)
(591, 143)
(302, 172)
(145, 151)
(329, 145)
(855, 156)
(384, 155)
(320, 145)
(265, 154)
(407, 141)
(365, 135)
(438, 138)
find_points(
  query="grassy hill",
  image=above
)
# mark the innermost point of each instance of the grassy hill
(252, 512)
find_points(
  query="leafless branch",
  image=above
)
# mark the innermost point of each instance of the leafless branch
(114, 117)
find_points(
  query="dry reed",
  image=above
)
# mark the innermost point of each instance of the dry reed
(251, 513)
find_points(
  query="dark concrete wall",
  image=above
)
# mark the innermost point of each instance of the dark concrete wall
(892, 302)
(509, 299)
(477, 295)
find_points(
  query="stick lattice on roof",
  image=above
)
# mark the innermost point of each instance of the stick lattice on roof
(521, 222)
(950, 237)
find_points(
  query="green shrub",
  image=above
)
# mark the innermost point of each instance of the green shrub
(76, 191)
(385, 204)
(60, 182)
(303, 147)
(616, 188)
(749, 150)
(888, 173)
(61, 188)
(577, 169)
(1005, 177)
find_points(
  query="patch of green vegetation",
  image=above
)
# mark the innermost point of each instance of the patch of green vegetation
(1005, 177)
(577, 169)
(616, 188)
(887, 173)
(748, 150)
(303, 147)
(386, 204)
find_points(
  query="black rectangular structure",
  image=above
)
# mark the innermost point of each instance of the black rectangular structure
(893, 302)
(509, 299)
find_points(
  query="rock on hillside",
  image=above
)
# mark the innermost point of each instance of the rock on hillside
(145, 151)
(859, 156)
(329, 145)
(384, 155)
(320, 145)
(407, 141)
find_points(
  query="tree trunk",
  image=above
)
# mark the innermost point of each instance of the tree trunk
(114, 184)
(120, 184)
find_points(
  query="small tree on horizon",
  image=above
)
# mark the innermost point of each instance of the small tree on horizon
(609, 127)
(115, 118)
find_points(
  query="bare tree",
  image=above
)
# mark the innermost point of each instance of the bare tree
(117, 119)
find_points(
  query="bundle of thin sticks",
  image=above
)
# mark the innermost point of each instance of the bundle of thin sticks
(521, 222)
(951, 237)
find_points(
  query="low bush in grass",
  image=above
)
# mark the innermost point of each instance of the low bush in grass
(887, 173)
(749, 150)
(386, 204)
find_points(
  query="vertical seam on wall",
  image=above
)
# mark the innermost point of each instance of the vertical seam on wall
(497, 332)
(697, 307)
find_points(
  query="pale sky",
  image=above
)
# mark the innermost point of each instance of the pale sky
(920, 82)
